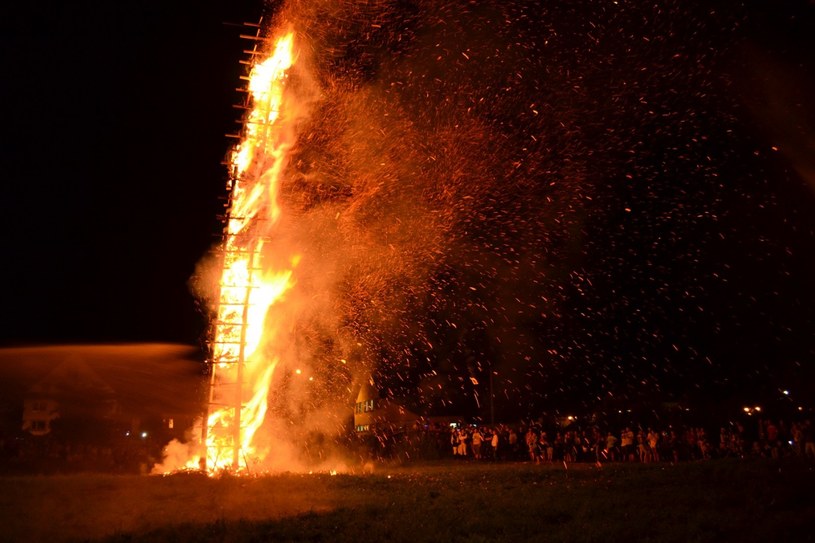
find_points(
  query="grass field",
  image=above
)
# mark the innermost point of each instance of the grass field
(449, 501)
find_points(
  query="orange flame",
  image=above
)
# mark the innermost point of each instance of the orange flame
(247, 289)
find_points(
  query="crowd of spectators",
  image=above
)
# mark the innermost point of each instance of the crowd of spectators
(634, 443)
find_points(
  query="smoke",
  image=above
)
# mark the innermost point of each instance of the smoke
(451, 163)
(176, 455)
(415, 185)
(371, 194)
(413, 201)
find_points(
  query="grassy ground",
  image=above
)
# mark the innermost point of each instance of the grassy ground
(450, 501)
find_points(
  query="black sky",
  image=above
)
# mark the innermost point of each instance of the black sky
(114, 115)
(114, 123)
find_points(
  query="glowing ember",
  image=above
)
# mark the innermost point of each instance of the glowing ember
(241, 373)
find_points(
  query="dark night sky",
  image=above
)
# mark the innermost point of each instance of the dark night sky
(114, 123)
(114, 115)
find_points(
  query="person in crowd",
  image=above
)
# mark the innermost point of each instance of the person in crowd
(642, 446)
(675, 445)
(462, 443)
(627, 444)
(454, 441)
(611, 447)
(653, 445)
(532, 444)
(599, 441)
(477, 438)
(702, 443)
(546, 444)
(513, 443)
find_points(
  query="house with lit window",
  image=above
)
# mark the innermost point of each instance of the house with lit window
(96, 407)
(38, 414)
(94, 390)
(71, 390)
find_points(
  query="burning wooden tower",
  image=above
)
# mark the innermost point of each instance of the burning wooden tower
(242, 362)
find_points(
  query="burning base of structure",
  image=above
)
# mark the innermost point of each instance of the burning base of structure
(253, 305)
